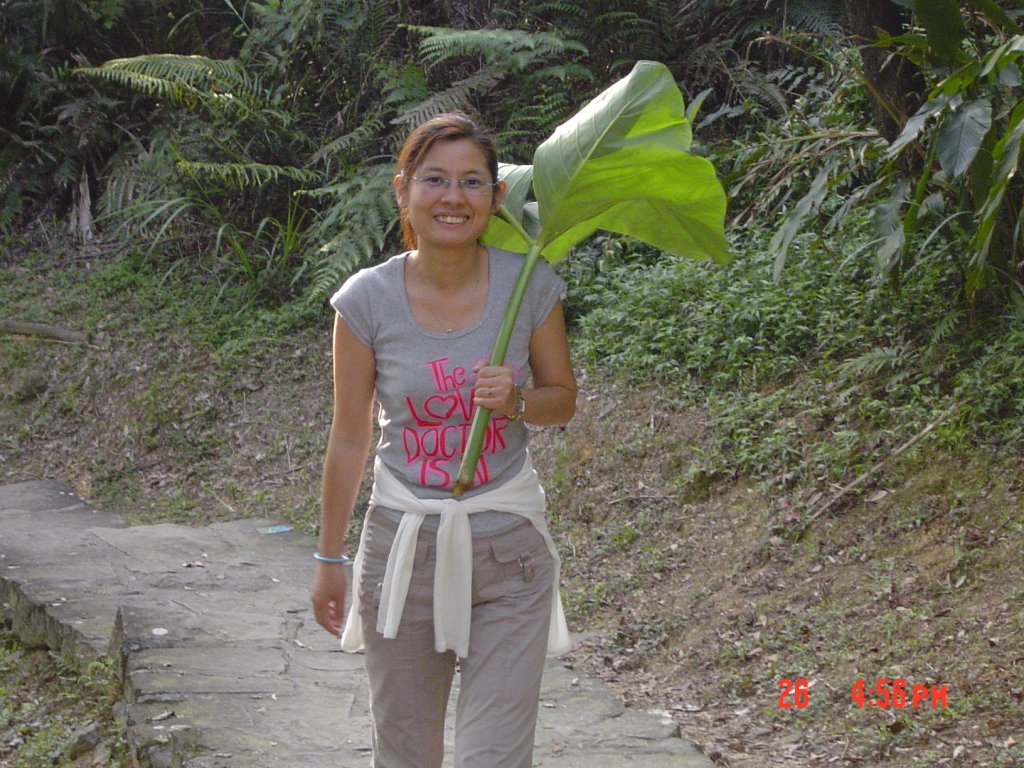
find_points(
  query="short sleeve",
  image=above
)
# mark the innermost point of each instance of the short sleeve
(352, 302)
(546, 288)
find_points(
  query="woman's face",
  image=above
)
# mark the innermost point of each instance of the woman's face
(449, 217)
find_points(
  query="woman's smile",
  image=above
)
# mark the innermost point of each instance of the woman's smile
(444, 215)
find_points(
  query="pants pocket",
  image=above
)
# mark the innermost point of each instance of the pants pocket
(516, 563)
(375, 547)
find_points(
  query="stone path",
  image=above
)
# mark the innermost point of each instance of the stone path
(223, 665)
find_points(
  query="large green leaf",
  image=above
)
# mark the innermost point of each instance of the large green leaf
(621, 164)
(944, 26)
(514, 229)
(1006, 155)
(961, 136)
(916, 124)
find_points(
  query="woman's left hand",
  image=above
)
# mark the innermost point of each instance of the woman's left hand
(495, 388)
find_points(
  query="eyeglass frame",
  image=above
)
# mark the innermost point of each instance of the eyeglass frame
(446, 183)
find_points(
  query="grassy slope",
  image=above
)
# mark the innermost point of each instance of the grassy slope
(693, 597)
(52, 713)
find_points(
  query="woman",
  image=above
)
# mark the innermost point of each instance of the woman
(440, 580)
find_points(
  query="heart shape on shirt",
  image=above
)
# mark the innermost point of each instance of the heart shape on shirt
(440, 406)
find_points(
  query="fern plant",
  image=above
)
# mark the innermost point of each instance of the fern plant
(360, 216)
(229, 132)
(501, 73)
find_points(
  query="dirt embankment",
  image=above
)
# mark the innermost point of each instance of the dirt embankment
(690, 592)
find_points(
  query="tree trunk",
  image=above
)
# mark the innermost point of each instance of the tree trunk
(81, 210)
(894, 83)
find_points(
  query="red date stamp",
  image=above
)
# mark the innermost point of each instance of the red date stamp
(884, 693)
(794, 693)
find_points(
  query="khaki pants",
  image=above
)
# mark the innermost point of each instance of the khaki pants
(500, 679)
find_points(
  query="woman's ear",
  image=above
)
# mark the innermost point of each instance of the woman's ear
(499, 195)
(400, 188)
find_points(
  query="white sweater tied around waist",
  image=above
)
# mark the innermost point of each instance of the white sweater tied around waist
(453, 575)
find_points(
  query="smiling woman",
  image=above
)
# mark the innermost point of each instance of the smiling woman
(446, 216)
(438, 579)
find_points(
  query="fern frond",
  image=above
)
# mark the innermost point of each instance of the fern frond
(186, 80)
(243, 175)
(353, 230)
(454, 97)
(561, 8)
(947, 326)
(753, 84)
(820, 17)
(360, 136)
(877, 360)
(440, 44)
(625, 25)
(379, 25)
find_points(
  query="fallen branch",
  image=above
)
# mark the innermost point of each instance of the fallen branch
(874, 470)
(41, 329)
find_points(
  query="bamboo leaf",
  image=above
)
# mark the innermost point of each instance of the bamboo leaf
(809, 205)
(961, 136)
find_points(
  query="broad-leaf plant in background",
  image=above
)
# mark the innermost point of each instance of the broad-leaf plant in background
(620, 164)
(952, 167)
(971, 128)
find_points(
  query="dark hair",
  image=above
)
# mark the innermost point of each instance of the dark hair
(450, 126)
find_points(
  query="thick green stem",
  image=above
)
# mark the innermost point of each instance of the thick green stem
(475, 441)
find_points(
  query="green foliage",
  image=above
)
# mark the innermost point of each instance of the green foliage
(264, 133)
(992, 388)
(229, 124)
(620, 164)
(740, 49)
(804, 377)
(358, 223)
(951, 171)
(971, 128)
(57, 131)
(241, 175)
(615, 33)
(291, 117)
(189, 81)
(521, 80)
(45, 697)
(819, 147)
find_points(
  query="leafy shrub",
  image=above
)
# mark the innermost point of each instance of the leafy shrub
(823, 369)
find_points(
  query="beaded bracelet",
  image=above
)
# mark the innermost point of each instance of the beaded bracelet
(336, 560)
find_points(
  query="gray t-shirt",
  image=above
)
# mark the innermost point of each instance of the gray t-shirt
(424, 379)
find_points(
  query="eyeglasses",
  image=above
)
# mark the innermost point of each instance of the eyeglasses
(470, 186)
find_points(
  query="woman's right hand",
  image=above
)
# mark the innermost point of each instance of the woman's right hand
(328, 595)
